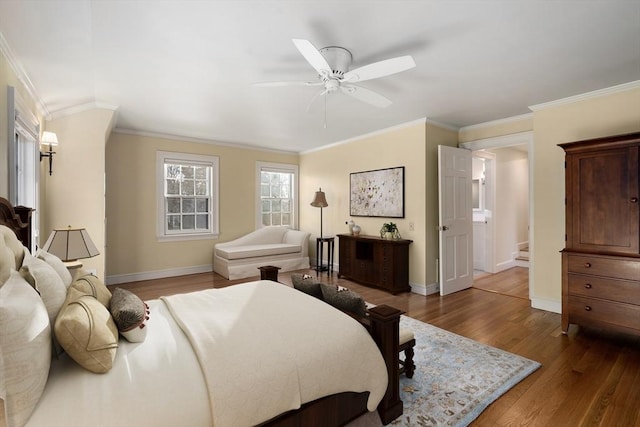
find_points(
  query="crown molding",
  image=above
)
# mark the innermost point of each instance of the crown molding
(125, 131)
(497, 122)
(95, 105)
(22, 76)
(412, 123)
(589, 95)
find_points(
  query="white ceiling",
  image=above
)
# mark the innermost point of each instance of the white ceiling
(185, 68)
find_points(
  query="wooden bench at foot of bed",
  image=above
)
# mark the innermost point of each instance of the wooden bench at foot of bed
(383, 323)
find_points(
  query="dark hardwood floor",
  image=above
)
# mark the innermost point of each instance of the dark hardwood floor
(588, 377)
(513, 282)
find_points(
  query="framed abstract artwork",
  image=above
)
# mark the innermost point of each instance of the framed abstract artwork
(377, 193)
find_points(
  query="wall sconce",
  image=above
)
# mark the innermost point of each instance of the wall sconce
(50, 139)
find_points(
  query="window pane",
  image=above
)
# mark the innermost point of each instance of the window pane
(202, 222)
(201, 188)
(286, 219)
(173, 186)
(172, 171)
(275, 206)
(187, 171)
(266, 219)
(188, 205)
(201, 172)
(188, 188)
(202, 205)
(276, 219)
(286, 205)
(173, 222)
(264, 190)
(275, 190)
(173, 204)
(266, 206)
(188, 222)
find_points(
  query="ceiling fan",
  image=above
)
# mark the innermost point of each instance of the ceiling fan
(332, 64)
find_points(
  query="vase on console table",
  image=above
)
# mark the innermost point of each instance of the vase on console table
(355, 230)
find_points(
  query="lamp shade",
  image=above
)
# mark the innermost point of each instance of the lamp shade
(49, 138)
(70, 244)
(319, 200)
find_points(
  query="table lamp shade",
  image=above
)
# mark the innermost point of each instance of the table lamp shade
(70, 244)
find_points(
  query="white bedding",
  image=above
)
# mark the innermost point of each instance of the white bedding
(264, 349)
(154, 383)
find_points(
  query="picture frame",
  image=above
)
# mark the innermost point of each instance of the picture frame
(377, 193)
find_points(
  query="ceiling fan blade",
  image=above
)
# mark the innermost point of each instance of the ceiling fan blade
(380, 69)
(366, 95)
(313, 56)
(277, 84)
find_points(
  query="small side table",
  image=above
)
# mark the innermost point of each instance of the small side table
(320, 241)
(269, 272)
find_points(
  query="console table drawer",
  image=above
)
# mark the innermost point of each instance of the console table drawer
(600, 287)
(620, 268)
(595, 312)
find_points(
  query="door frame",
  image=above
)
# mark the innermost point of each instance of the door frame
(509, 141)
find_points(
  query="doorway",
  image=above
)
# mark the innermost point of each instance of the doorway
(501, 212)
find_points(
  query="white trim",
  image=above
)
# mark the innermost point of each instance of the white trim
(22, 76)
(422, 289)
(584, 96)
(214, 162)
(284, 167)
(158, 274)
(181, 138)
(371, 134)
(96, 105)
(500, 141)
(545, 304)
(497, 122)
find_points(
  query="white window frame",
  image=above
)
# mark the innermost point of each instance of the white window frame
(163, 157)
(277, 167)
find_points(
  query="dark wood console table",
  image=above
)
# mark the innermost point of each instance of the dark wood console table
(375, 262)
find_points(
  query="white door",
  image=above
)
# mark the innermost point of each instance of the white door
(456, 219)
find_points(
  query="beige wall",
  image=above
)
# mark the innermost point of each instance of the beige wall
(512, 203)
(415, 148)
(75, 191)
(590, 118)
(132, 247)
(497, 128)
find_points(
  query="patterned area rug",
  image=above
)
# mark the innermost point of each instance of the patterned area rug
(455, 379)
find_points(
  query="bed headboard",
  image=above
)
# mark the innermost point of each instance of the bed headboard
(18, 219)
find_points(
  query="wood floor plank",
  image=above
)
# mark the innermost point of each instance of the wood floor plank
(588, 377)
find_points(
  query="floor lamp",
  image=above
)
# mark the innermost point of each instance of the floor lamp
(319, 201)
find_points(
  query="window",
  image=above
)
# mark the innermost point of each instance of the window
(187, 196)
(278, 195)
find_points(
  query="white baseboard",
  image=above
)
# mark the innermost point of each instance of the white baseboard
(553, 306)
(421, 289)
(502, 266)
(158, 274)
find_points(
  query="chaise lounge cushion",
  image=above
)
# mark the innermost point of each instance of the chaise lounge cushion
(251, 251)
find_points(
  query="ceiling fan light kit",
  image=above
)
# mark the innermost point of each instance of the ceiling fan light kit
(332, 64)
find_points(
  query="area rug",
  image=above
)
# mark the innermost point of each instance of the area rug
(455, 379)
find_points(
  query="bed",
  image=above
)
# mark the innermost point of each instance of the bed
(258, 353)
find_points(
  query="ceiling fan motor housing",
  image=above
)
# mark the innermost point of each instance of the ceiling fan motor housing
(338, 58)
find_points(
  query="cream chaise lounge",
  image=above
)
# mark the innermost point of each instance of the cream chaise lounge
(277, 246)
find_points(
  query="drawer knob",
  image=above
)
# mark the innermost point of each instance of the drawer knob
(587, 265)
(634, 200)
(587, 285)
(587, 308)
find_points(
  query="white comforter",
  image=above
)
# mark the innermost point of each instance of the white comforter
(265, 349)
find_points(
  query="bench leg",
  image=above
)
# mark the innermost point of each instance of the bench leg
(409, 366)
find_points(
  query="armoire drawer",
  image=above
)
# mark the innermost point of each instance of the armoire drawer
(594, 311)
(600, 287)
(620, 268)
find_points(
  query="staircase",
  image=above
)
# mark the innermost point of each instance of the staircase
(522, 260)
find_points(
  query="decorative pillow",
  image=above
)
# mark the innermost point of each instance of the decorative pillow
(57, 265)
(46, 281)
(130, 314)
(307, 284)
(343, 299)
(91, 285)
(13, 243)
(87, 332)
(25, 340)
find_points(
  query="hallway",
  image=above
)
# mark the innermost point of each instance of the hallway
(512, 282)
